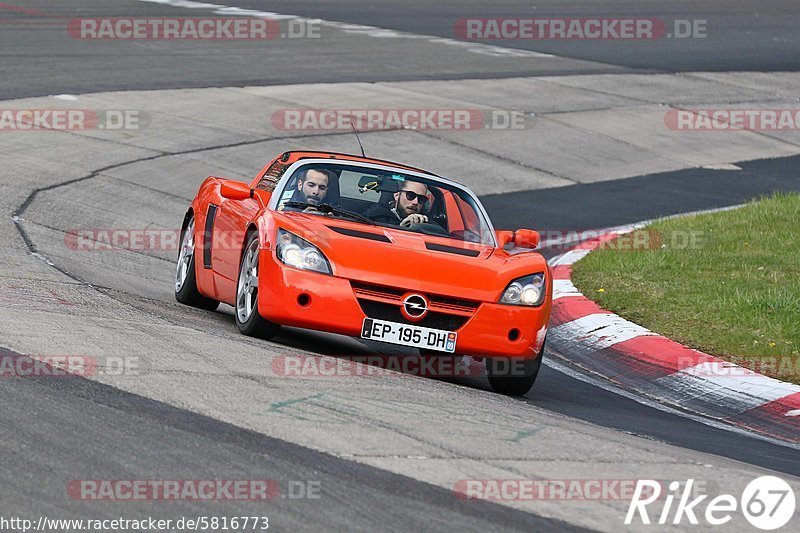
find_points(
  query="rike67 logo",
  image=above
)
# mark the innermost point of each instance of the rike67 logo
(767, 502)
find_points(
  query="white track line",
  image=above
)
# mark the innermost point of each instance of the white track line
(563, 288)
(571, 257)
(751, 388)
(356, 29)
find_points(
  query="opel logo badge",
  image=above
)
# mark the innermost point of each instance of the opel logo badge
(415, 307)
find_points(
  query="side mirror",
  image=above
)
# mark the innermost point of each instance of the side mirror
(235, 190)
(526, 238)
(504, 237)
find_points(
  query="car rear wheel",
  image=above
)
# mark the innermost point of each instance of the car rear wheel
(185, 276)
(513, 376)
(248, 319)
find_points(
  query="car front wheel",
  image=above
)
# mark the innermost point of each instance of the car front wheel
(513, 376)
(248, 319)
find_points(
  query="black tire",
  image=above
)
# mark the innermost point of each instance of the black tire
(513, 376)
(186, 291)
(253, 325)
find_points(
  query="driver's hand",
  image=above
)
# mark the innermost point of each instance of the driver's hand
(310, 209)
(416, 218)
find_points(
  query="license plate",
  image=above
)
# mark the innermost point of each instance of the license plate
(408, 335)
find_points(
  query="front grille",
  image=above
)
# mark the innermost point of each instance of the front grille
(438, 303)
(391, 312)
(361, 286)
(453, 304)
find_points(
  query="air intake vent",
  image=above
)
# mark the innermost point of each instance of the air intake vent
(360, 234)
(451, 249)
(443, 304)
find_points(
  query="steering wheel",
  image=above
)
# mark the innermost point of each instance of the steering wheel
(440, 219)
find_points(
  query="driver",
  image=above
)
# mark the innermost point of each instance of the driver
(406, 209)
(312, 188)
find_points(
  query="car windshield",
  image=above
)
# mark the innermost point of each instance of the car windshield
(386, 198)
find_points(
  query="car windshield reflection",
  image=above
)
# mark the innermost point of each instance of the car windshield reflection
(387, 198)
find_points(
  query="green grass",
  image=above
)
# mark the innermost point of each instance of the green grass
(733, 292)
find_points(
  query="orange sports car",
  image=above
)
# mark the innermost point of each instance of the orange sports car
(371, 249)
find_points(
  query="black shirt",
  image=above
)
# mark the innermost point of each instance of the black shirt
(381, 214)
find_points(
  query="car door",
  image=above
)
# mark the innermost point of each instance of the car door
(229, 226)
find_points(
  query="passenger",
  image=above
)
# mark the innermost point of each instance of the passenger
(406, 209)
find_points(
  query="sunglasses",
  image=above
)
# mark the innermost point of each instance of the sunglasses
(421, 198)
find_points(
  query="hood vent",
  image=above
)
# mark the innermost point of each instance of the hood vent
(360, 234)
(451, 249)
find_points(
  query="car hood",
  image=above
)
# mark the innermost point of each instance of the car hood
(413, 261)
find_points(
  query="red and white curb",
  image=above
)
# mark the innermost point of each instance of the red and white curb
(651, 365)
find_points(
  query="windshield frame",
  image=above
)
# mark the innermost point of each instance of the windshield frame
(289, 172)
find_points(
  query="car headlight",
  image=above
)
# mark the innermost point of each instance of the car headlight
(528, 290)
(299, 253)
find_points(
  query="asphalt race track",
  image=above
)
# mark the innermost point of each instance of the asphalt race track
(381, 453)
(741, 35)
